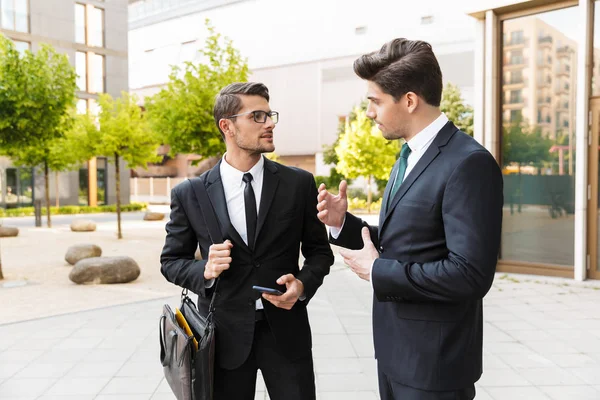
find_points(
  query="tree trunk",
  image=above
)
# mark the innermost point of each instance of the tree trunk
(369, 195)
(47, 182)
(57, 188)
(118, 191)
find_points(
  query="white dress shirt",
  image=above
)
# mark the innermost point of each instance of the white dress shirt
(418, 146)
(234, 186)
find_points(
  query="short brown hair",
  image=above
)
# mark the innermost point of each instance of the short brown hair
(228, 102)
(403, 66)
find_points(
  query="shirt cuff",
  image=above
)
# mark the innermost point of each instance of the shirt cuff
(335, 232)
(209, 283)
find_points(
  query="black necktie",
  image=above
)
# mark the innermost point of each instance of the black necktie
(250, 205)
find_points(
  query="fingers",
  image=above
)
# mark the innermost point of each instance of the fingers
(226, 245)
(343, 187)
(366, 236)
(279, 301)
(322, 193)
(322, 205)
(285, 279)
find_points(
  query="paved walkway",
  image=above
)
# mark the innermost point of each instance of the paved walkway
(542, 335)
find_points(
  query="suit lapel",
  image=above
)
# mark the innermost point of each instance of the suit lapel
(214, 188)
(432, 152)
(269, 187)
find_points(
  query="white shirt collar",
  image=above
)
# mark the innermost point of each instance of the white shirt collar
(426, 135)
(232, 174)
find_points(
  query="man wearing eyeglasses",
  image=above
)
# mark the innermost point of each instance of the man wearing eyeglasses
(267, 213)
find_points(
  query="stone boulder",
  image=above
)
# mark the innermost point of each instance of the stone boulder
(79, 252)
(153, 216)
(83, 225)
(8, 231)
(105, 270)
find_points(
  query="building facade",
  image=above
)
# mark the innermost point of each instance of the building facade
(304, 57)
(537, 109)
(93, 34)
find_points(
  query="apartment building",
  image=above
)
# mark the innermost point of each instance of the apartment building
(93, 33)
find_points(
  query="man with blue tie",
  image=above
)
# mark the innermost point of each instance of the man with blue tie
(433, 256)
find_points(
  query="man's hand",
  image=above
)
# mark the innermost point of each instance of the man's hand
(332, 209)
(218, 259)
(295, 289)
(361, 261)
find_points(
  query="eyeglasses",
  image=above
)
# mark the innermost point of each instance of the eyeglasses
(260, 116)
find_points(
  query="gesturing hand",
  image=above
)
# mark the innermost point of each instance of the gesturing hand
(332, 209)
(361, 261)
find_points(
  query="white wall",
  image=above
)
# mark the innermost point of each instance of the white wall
(304, 50)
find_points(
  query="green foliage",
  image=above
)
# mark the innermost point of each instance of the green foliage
(123, 131)
(524, 144)
(363, 151)
(37, 92)
(30, 211)
(182, 113)
(456, 110)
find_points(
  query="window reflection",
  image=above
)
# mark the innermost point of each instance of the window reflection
(538, 135)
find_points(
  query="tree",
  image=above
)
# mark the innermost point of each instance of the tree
(182, 114)
(37, 96)
(456, 110)
(524, 144)
(363, 151)
(123, 133)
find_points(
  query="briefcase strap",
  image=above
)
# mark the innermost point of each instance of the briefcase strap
(211, 222)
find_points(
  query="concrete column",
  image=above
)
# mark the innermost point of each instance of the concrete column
(479, 100)
(491, 96)
(584, 66)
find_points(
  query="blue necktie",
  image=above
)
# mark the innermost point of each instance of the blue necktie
(402, 163)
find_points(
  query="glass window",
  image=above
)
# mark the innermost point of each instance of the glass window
(538, 162)
(81, 69)
(96, 27)
(80, 23)
(81, 106)
(94, 108)
(8, 14)
(21, 15)
(97, 74)
(22, 46)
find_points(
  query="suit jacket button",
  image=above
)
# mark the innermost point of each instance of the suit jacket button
(257, 265)
(251, 302)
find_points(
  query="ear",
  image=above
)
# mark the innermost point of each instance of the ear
(224, 124)
(412, 102)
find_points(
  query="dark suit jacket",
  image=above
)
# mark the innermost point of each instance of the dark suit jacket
(438, 242)
(287, 222)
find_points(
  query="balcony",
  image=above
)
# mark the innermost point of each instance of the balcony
(564, 51)
(515, 83)
(516, 43)
(545, 41)
(544, 101)
(563, 70)
(517, 62)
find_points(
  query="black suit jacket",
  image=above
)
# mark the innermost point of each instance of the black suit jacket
(287, 222)
(438, 242)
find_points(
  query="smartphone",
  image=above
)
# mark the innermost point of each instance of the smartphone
(267, 290)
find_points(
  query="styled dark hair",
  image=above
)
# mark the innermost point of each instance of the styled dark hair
(403, 66)
(229, 103)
